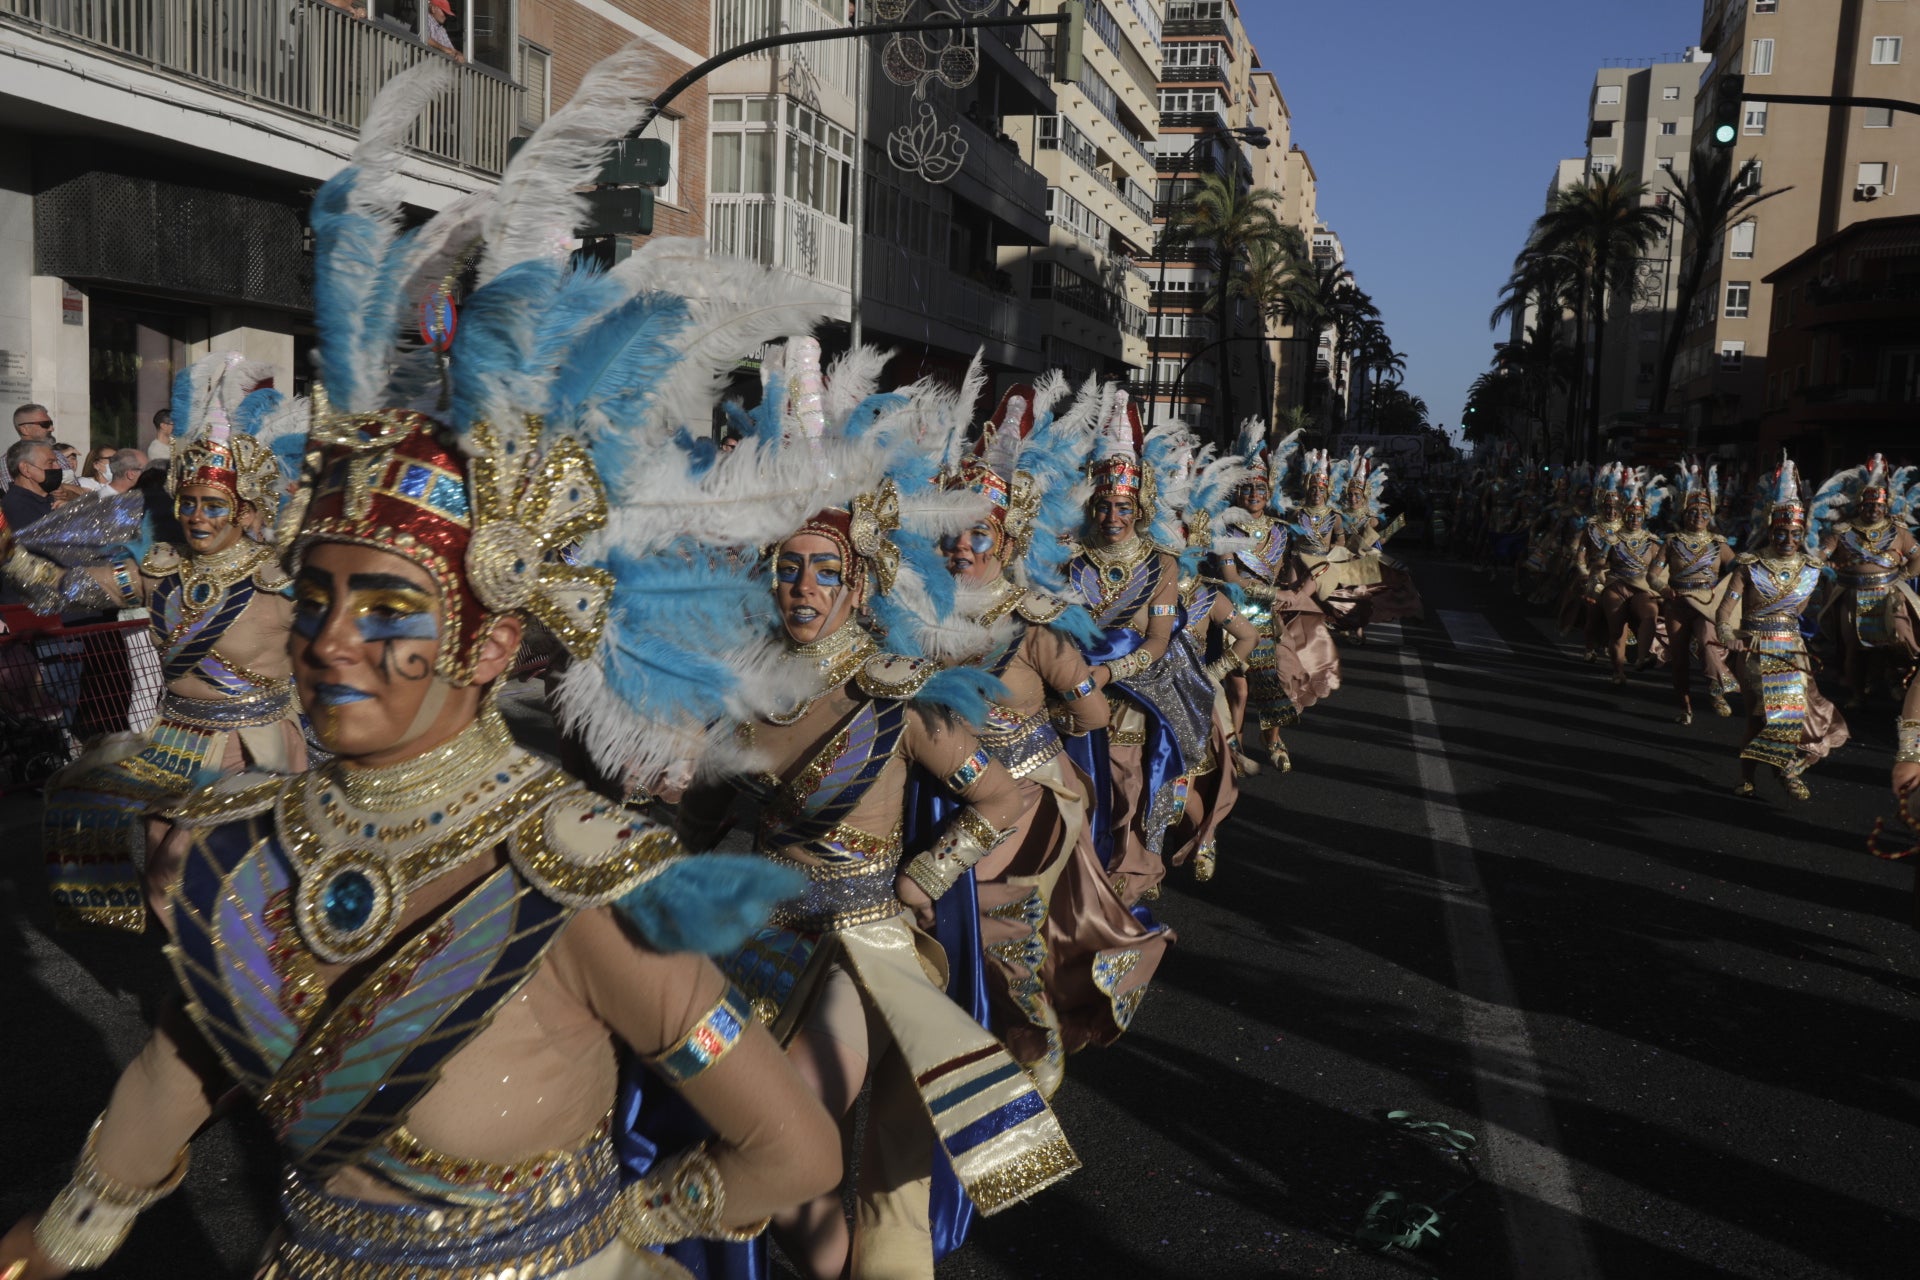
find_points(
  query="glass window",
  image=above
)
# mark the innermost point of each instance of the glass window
(1756, 118)
(1877, 118)
(1732, 353)
(1766, 6)
(1760, 63)
(1607, 95)
(1886, 50)
(1739, 299)
(1670, 94)
(725, 109)
(1668, 128)
(1740, 239)
(1873, 172)
(536, 73)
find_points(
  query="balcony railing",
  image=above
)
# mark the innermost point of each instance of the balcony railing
(1191, 120)
(301, 57)
(1194, 75)
(931, 291)
(779, 232)
(1195, 27)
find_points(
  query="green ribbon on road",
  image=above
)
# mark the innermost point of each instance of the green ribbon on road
(1458, 1140)
(1394, 1222)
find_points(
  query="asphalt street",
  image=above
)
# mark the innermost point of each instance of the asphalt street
(1496, 892)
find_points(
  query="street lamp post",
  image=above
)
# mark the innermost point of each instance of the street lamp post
(1257, 136)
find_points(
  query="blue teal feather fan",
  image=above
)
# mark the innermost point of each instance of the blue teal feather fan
(1054, 456)
(1167, 450)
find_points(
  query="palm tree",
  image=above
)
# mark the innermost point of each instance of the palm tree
(1350, 307)
(1279, 268)
(1712, 199)
(1229, 218)
(1545, 287)
(1602, 225)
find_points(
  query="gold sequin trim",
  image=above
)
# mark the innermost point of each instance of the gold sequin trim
(1033, 1171)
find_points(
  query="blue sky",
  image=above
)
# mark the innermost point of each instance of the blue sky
(1434, 129)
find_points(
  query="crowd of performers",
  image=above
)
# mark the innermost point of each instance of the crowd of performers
(972, 689)
(1740, 588)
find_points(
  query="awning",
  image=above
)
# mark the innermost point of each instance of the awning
(1888, 242)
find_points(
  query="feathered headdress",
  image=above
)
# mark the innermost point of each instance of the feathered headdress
(1316, 469)
(1116, 468)
(1784, 504)
(219, 402)
(1168, 457)
(1209, 499)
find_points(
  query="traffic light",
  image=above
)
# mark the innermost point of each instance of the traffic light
(621, 203)
(1727, 106)
(1070, 42)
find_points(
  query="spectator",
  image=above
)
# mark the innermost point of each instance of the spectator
(93, 474)
(162, 446)
(438, 11)
(69, 461)
(34, 473)
(123, 472)
(33, 422)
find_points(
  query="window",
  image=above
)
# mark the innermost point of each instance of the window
(1886, 50)
(1668, 128)
(1202, 53)
(536, 73)
(1739, 298)
(1194, 100)
(1601, 166)
(481, 31)
(1760, 62)
(1740, 239)
(1756, 118)
(1665, 163)
(1876, 118)
(1607, 95)
(1195, 10)
(1873, 173)
(1748, 178)
(1732, 353)
(1670, 94)
(1766, 6)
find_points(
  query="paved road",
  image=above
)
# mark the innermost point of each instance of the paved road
(1497, 892)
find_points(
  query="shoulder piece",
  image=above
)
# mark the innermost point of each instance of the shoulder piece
(1746, 557)
(1040, 608)
(1722, 539)
(238, 795)
(583, 850)
(163, 559)
(891, 676)
(269, 576)
(1840, 526)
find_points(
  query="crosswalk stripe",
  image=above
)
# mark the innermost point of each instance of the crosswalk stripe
(1472, 633)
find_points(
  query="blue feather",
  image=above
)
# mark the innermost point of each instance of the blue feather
(613, 369)
(256, 408)
(701, 454)
(1077, 625)
(495, 339)
(868, 411)
(347, 256)
(1235, 592)
(181, 402)
(709, 904)
(670, 615)
(967, 692)
(739, 421)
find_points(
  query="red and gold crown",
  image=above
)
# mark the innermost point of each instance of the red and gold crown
(492, 530)
(861, 533)
(1116, 465)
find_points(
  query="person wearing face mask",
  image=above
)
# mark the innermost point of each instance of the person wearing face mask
(1696, 559)
(848, 973)
(1790, 723)
(1871, 551)
(1069, 964)
(219, 608)
(423, 960)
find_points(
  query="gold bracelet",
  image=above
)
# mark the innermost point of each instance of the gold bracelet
(967, 839)
(681, 1199)
(93, 1213)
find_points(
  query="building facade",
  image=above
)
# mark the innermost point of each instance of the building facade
(156, 163)
(1843, 165)
(1640, 123)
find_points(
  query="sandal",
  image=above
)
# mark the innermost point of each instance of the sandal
(1203, 860)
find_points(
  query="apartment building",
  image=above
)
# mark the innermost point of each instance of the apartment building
(1843, 165)
(1640, 123)
(156, 163)
(1206, 90)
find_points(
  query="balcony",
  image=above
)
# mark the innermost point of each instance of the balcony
(1196, 75)
(1185, 162)
(299, 57)
(913, 298)
(778, 232)
(1196, 27)
(1885, 302)
(1171, 120)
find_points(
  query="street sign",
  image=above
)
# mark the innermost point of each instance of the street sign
(633, 162)
(619, 211)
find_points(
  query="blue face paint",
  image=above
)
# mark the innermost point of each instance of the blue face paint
(787, 569)
(397, 626)
(210, 509)
(339, 695)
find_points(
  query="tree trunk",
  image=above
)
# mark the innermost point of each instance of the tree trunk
(1692, 271)
(1600, 267)
(1266, 383)
(1226, 428)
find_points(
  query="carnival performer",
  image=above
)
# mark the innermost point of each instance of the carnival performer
(1543, 539)
(847, 974)
(1870, 549)
(218, 606)
(1566, 586)
(1591, 563)
(1696, 559)
(1217, 639)
(1294, 662)
(1385, 585)
(1628, 598)
(1790, 723)
(1071, 963)
(420, 959)
(1162, 706)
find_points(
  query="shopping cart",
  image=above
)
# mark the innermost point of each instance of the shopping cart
(61, 687)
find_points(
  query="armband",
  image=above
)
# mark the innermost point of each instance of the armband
(1907, 739)
(966, 840)
(1162, 610)
(683, 1198)
(1082, 690)
(969, 772)
(93, 1213)
(710, 1040)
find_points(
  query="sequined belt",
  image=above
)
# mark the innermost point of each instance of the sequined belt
(1871, 577)
(244, 712)
(1694, 584)
(1022, 745)
(1777, 625)
(570, 1215)
(841, 895)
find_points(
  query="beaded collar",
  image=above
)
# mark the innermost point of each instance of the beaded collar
(835, 659)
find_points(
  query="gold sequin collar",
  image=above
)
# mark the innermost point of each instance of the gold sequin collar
(428, 777)
(836, 658)
(1123, 555)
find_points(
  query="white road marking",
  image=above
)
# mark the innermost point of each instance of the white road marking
(1388, 635)
(1472, 633)
(1520, 1138)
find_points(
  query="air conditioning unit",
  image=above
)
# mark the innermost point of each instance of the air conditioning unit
(1869, 191)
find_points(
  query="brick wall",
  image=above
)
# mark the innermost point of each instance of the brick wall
(580, 37)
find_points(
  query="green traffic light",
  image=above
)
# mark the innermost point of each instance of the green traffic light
(1724, 135)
